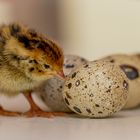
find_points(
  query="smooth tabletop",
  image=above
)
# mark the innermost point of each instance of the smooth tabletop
(125, 125)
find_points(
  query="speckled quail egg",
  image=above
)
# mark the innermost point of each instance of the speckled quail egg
(137, 56)
(96, 89)
(51, 90)
(130, 64)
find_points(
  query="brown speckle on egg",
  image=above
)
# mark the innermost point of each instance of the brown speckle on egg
(68, 96)
(112, 60)
(125, 85)
(67, 102)
(69, 66)
(74, 74)
(86, 66)
(88, 110)
(91, 95)
(69, 85)
(109, 90)
(77, 109)
(85, 86)
(97, 105)
(130, 71)
(83, 60)
(77, 83)
(100, 112)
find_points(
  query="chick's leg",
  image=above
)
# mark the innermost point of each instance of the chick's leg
(4, 112)
(35, 111)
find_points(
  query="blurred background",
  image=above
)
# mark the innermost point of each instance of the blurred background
(90, 28)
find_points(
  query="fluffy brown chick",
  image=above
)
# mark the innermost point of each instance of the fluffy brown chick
(27, 58)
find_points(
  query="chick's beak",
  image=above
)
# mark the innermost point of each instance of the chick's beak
(61, 74)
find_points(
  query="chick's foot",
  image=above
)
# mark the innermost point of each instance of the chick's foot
(35, 111)
(4, 112)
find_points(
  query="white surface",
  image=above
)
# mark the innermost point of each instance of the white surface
(123, 126)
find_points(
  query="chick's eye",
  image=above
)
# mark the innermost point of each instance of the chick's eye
(46, 66)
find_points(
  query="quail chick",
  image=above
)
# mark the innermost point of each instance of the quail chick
(27, 59)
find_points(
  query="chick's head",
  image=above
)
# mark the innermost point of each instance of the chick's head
(31, 53)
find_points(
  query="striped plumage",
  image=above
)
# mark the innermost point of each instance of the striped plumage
(27, 58)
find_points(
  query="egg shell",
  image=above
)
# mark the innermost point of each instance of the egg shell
(71, 62)
(51, 90)
(51, 94)
(130, 64)
(97, 89)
